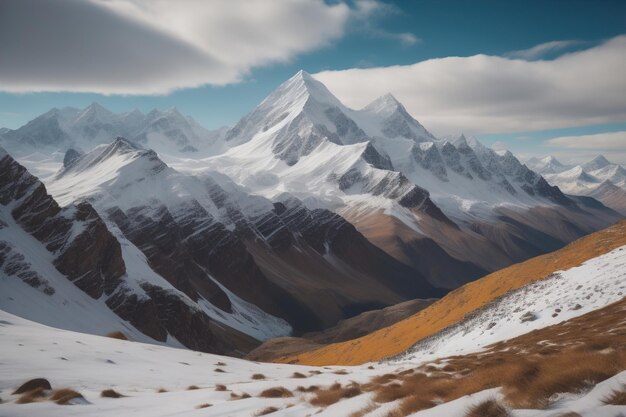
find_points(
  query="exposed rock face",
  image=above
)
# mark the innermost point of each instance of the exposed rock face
(86, 252)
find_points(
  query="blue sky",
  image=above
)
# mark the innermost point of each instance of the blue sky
(364, 35)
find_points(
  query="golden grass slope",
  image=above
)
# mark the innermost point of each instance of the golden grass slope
(454, 306)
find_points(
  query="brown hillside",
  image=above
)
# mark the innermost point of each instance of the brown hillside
(454, 306)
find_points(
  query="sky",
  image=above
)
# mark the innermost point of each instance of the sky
(536, 77)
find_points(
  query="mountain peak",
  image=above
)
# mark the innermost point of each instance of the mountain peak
(385, 104)
(596, 163)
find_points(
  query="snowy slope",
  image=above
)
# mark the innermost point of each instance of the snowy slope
(562, 296)
(90, 364)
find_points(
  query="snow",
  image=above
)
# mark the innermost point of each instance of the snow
(90, 364)
(562, 296)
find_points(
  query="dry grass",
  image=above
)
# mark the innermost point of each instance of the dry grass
(335, 393)
(457, 304)
(161, 390)
(241, 396)
(569, 414)
(312, 388)
(219, 370)
(298, 375)
(111, 393)
(276, 392)
(584, 351)
(32, 396)
(64, 396)
(192, 387)
(341, 372)
(33, 384)
(617, 397)
(220, 387)
(258, 376)
(489, 408)
(117, 335)
(265, 411)
(220, 364)
(204, 405)
(365, 410)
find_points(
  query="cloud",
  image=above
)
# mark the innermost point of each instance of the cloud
(599, 141)
(154, 46)
(491, 94)
(364, 24)
(543, 49)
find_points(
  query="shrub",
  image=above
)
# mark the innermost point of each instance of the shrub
(192, 387)
(161, 390)
(489, 408)
(617, 397)
(220, 387)
(276, 392)
(204, 405)
(64, 396)
(266, 410)
(117, 335)
(31, 396)
(110, 393)
(258, 376)
(298, 375)
(334, 393)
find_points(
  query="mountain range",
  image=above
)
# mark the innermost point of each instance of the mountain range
(598, 178)
(302, 214)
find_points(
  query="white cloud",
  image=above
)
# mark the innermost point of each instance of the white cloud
(491, 94)
(362, 16)
(603, 141)
(543, 49)
(154, 46)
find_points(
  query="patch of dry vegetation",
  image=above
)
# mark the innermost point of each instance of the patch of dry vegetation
(276, 392)
(220, 387)
(489, 408)
(298, 375)
(64, 395)
(192, 387)
(241, 396)
(582, 352)
(266, 411)
(111, 393)
(37, 394)
(617, 397)
(335, 393)
(258, 376)
(161, 390)
(204, 405)
(117, 335)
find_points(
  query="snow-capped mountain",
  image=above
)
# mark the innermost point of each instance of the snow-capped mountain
(61, 129)
(378, 165)
(212, 240)
(598, 178)
(547, 165)
(68, 267)
(379, 168)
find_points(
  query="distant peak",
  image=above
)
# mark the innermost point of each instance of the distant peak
(596, 163)
(385, 104)
(550, 159)
(302, 74)
(121, 143)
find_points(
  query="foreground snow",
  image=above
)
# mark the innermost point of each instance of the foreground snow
(90, 364)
